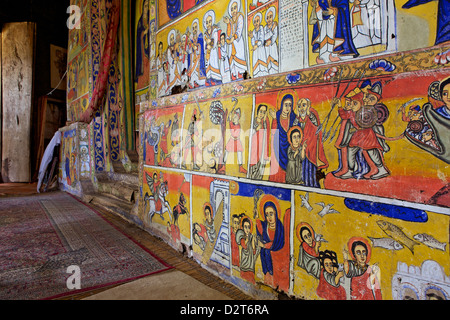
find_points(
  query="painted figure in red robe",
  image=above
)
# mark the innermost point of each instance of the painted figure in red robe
(329, 286)
(364, 277)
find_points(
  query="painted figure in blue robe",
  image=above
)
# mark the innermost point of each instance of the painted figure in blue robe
(283, 121)
(332, 36)
(277, 242)
(67, 167)
(443, 18)
(273, 240)
(142, 40)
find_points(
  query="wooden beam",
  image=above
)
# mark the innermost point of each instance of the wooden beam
(18, 41)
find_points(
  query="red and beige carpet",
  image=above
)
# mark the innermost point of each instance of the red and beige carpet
(46, 239)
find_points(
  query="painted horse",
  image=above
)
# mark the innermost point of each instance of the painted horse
(159, 205)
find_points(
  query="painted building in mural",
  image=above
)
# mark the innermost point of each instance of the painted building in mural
(292, 146)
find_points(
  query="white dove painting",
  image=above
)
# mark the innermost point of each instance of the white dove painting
(305, 202)
(326, 209)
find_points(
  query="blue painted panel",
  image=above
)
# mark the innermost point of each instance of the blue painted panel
(387, 210)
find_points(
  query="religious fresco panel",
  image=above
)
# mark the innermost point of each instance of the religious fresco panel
(215, 136)
(162, 137)
(349, 249)
(204, 50)
(260, 222)
(368, 136)
(78, 76)
(143, 44)
(72, 160)
(166, 206)
(263, 33)
(211, 223)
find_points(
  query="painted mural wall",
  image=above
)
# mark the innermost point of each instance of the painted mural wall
(323, 182)
(223, 41)
(306, 206)
(286, 146)
(75, 159)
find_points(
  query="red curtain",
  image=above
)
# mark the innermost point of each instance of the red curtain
(105, 63)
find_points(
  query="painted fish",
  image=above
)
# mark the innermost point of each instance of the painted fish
(397, 234)
(386, 243)
(430, 241)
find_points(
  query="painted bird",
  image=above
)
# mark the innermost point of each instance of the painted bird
(305, 202)
(320, 238)
(326, 209)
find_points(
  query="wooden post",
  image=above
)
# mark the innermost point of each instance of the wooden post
(18, 41)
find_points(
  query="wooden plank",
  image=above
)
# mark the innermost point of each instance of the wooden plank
(1, 180)
(17, 94)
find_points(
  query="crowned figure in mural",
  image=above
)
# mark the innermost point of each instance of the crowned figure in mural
(270, 40)
(235, 38)
(257, 47)
(211, 40)
(197, 71)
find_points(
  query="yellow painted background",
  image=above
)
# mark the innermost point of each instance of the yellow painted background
(338, 228)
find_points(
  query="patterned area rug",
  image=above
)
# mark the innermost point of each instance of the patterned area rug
(52, 245)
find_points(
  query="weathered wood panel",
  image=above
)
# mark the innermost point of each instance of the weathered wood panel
(17, 92)
(1, 108)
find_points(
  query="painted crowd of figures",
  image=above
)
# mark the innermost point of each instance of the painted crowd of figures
(207, 58)
(292, 142)
(287, 143)
(213, 50)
